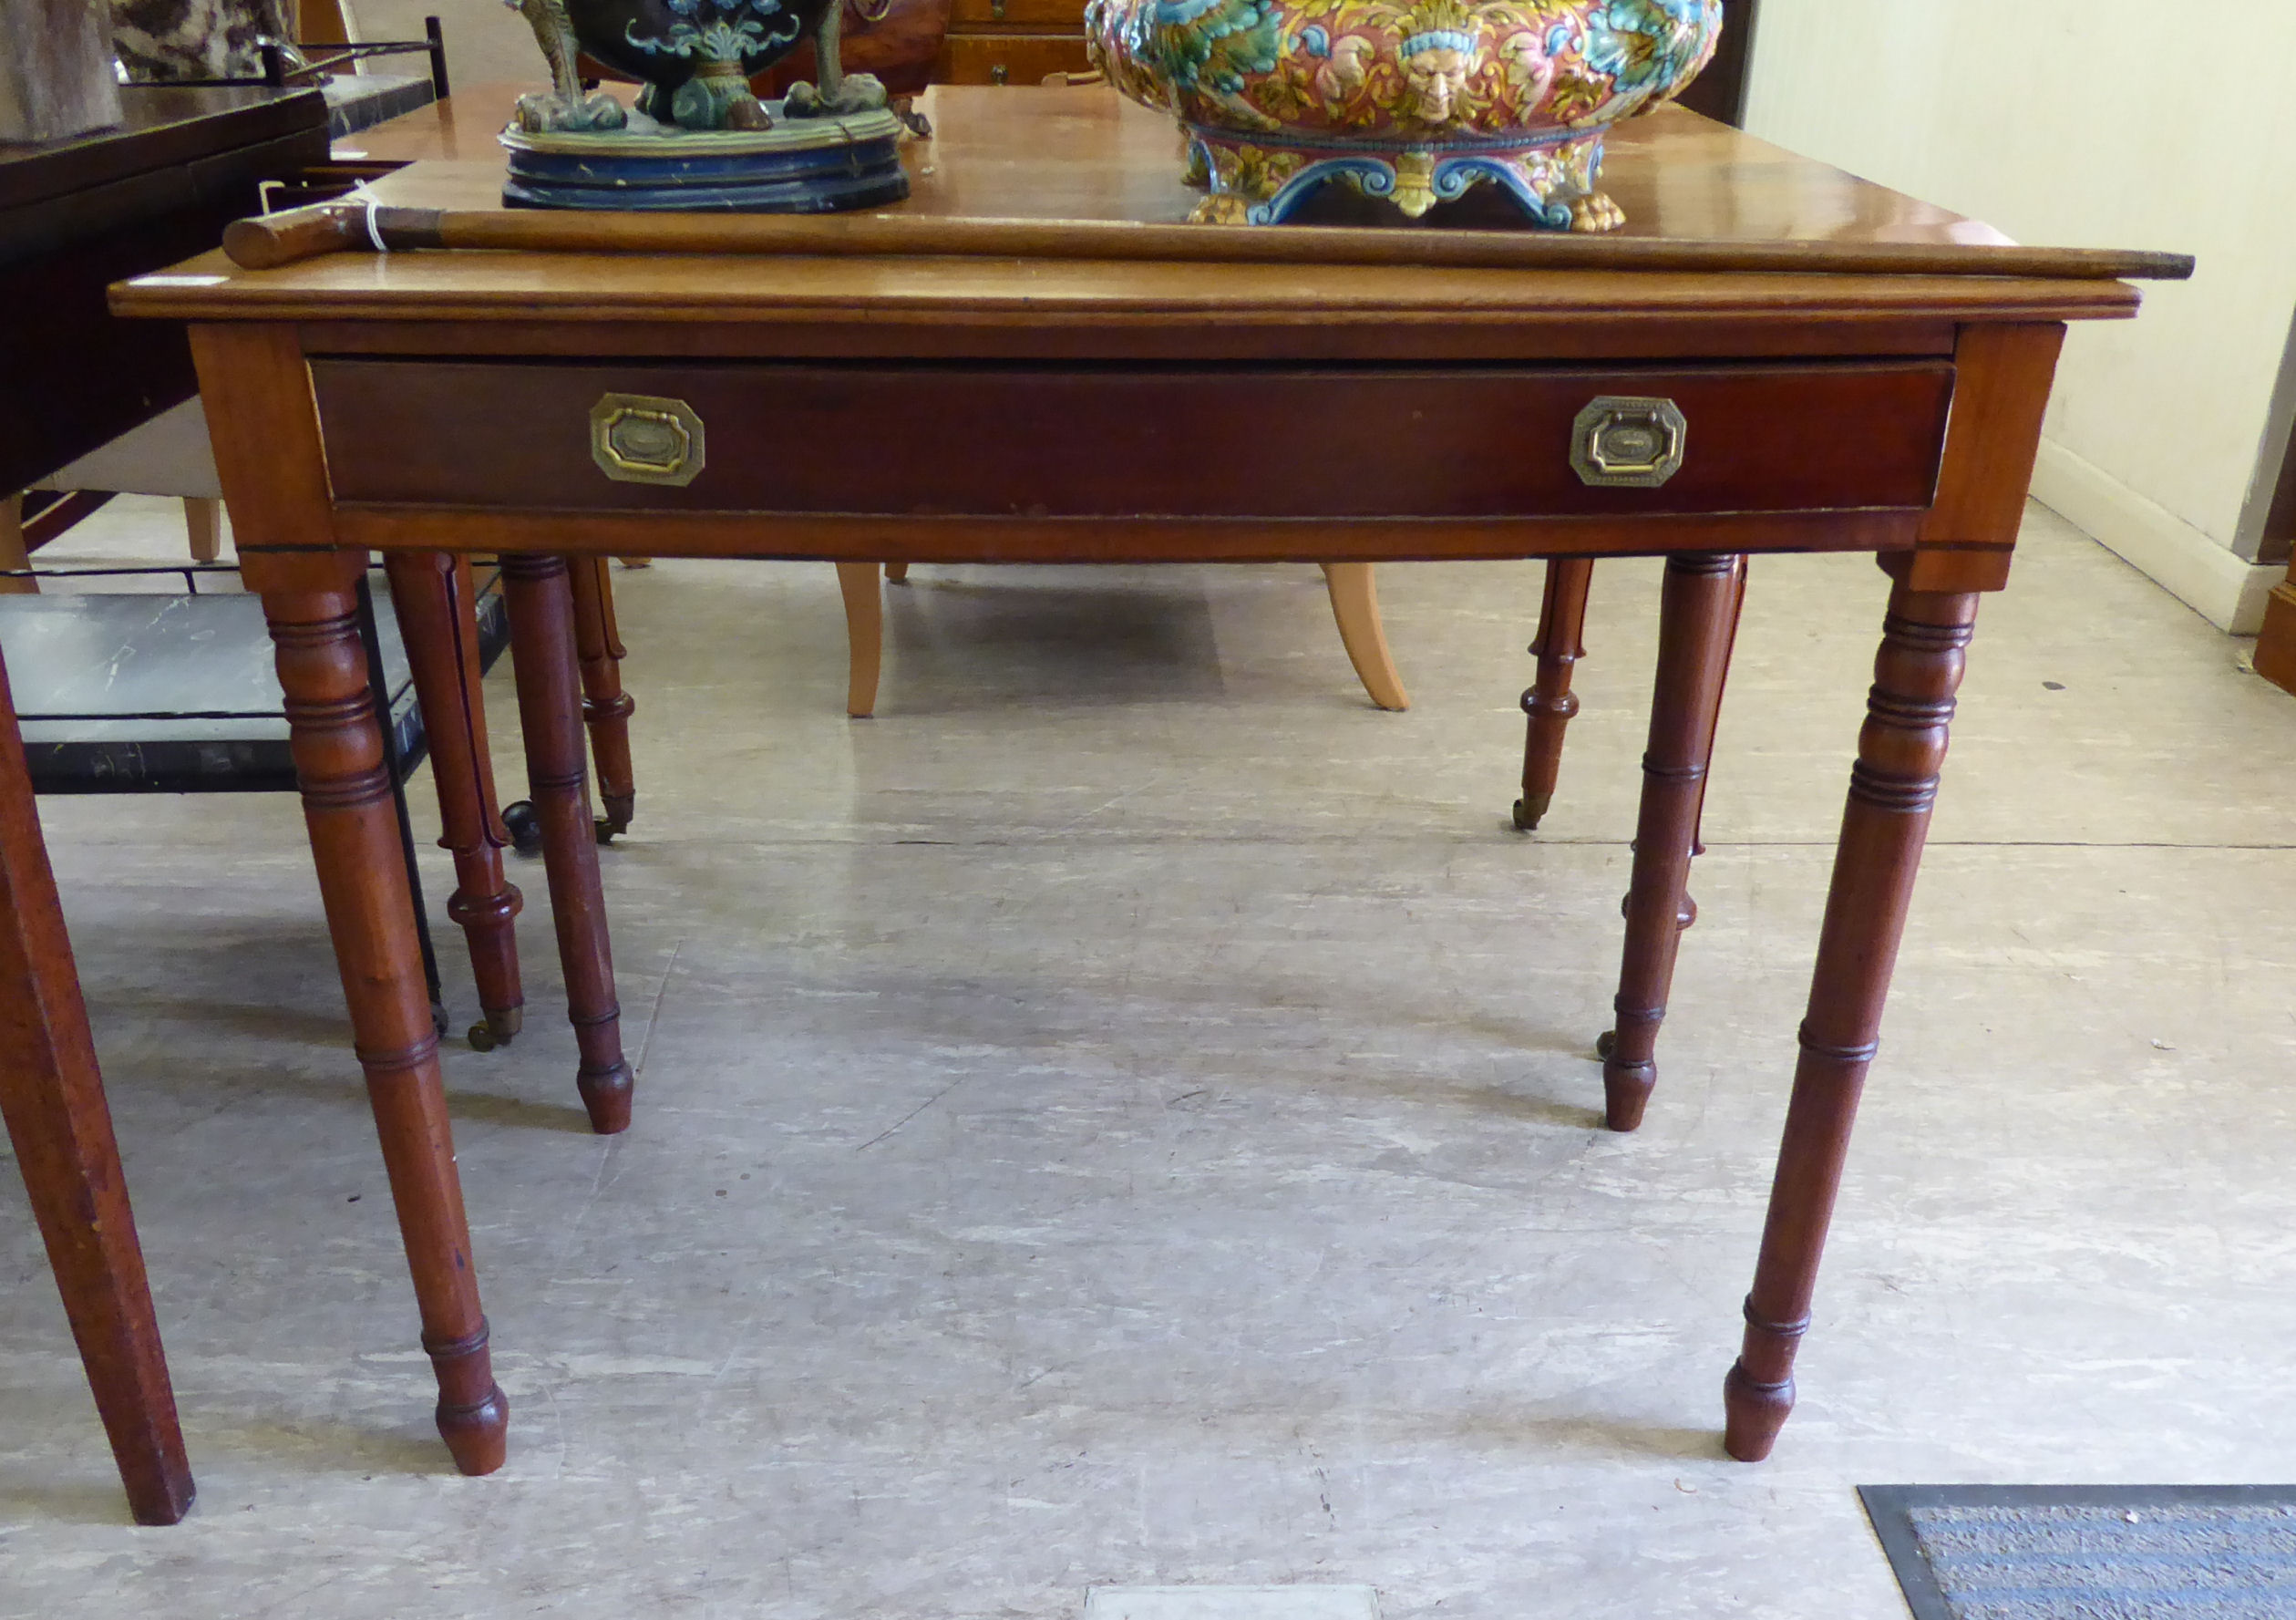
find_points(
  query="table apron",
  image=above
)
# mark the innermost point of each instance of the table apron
(839, 537)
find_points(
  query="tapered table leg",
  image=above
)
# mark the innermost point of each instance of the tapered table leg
(542, 653)
(1696, 616)
(606, 708)
(1562, 617)
(1900, 753)
(51, 1098)
(346, 798)
(436, 606)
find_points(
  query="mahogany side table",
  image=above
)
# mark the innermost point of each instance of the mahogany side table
(1774, 358)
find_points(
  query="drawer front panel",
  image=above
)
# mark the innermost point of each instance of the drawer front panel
(1009, 59)
(1042, 16)
(1116, 442)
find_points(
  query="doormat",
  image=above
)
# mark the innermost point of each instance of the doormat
(1231, 1603)
(2090, 1551)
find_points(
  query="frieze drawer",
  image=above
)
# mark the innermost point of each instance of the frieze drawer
(1019, 441)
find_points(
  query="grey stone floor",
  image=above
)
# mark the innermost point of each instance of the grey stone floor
(1125, 1116)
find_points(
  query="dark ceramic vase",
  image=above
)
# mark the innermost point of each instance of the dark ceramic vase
(686, 50)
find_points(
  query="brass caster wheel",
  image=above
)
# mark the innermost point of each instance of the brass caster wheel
(1606, 1044)
(1527, 815)
(499, 1029)
(525, 827)
(606, 829)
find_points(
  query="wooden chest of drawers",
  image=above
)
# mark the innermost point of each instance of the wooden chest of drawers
(997, 42)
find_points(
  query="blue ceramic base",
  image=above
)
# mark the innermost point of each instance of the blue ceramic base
(1263, 181)
(817, 165)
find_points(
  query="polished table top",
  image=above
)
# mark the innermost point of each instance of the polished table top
(1085, 154)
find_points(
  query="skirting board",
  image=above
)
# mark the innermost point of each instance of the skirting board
(2220, 587)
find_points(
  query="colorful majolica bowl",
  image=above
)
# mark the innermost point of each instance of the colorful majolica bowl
(1411, 102)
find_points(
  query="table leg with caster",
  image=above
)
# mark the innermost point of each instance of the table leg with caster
(606, 708)
(1696, 619)
(542, 653)
(436, 601)
(1548, 704)
(1892, 789)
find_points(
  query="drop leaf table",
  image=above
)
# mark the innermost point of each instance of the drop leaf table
(1036, 359)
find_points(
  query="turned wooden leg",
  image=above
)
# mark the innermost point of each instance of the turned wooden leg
(864, 634)
(606, 708)
(1562, 617)
(1694, 623)
(1356, 604)
(346, 796)
(542, 653)
(51, 1098)
(436, 605)
(1892, 787)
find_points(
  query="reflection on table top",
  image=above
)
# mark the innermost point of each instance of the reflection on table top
(1087, 155)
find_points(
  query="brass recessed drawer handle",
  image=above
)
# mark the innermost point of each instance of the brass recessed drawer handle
(1622, 443)
(636, 438)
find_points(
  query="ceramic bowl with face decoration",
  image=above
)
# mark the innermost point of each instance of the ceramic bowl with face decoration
(1411, 102)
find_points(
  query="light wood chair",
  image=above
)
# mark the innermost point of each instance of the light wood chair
(1354, 595)
(1354, 604)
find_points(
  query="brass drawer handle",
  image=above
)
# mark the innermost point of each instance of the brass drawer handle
(1623, 443)
(636, 438)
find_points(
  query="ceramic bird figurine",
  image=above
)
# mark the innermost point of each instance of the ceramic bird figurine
(696, 58)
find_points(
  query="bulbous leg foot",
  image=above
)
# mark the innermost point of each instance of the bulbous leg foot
(1626, 1091)
(1754, 1414)
(605, 1096)
(478, 1436)
(1530, 812)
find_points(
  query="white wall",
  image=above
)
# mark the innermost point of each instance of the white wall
(2108, 123)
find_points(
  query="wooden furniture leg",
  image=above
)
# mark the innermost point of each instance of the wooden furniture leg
(1562, 617)
(1892, 787)
(1714, 722)
(52, 1098)
(14, 555)
(437, 603)
(606, 708)
(203, 518)
(864, 633)
(897, 573)
(1356, 604)
(1695, 621)
(347, 796)
(542, 653)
